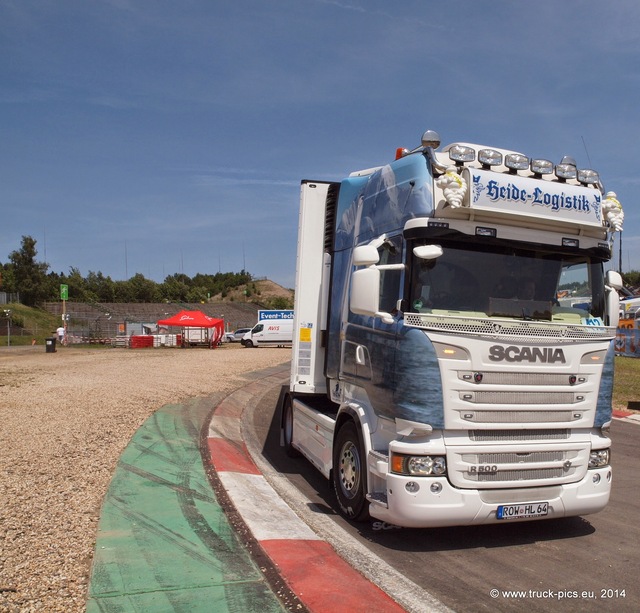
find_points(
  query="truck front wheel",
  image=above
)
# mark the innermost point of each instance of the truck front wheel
(349, 475)
(248, 344)
(287, 427)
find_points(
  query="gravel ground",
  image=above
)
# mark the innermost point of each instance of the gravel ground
(65, 418)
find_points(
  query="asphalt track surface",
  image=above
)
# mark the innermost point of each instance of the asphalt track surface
(190, 523)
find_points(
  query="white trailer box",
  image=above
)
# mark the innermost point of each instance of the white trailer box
(274, 329)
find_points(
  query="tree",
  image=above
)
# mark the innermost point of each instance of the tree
(101, 286)
(29, 276)
(144, 290)
(176, 287)
(631, 278)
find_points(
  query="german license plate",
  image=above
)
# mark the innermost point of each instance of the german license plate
(522, 511)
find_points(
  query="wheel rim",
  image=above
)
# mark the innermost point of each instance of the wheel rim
(349, 470)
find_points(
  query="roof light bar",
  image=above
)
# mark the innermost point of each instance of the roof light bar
(460, 154)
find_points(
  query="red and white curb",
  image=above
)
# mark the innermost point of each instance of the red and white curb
(627, 416)
(311, 568)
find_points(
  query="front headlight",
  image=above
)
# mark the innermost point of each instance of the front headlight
(599, 458)
(418, 466)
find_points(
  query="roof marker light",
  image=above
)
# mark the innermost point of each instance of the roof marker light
(570, 242)
(516, 161)
(401, 152)
(480, 231)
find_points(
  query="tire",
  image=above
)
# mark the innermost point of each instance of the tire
(349, 474)
(287, 428)
(248, 344)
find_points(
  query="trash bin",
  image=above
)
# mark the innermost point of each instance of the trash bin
(50, 345)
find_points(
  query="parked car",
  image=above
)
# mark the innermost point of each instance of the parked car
(236, 337)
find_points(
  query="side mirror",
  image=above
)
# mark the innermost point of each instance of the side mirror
(365, 294)
(613, 283)
(614, 280)
(365, 286)
(365, 255)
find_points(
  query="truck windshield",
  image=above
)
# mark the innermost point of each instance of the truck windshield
(506, 282)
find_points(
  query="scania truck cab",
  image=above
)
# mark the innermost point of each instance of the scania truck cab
(436, 378)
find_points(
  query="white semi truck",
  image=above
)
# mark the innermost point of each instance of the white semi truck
(436, 380)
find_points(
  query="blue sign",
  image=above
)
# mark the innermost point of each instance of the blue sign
(267, 315)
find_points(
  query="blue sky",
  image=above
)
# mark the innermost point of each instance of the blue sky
(160, 137)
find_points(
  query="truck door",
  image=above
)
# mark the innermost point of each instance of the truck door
(257, 333)
(369, 346)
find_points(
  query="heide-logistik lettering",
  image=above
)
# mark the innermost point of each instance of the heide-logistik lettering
(512, 193)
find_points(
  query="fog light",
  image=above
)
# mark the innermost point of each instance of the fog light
(436, 488)
(461, 153)
(596, 478)
(541, 167)
(489, 157)
(412, 487)
(587, 177)
(516, 161)
(566, 171)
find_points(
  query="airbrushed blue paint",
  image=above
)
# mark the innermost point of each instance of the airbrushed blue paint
(418, 389)
(383, 202)
(401, 376)
(605, 393)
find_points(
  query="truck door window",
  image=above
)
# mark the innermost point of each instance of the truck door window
(390, 253)
(575, 294)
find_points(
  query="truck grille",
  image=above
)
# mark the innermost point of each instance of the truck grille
(516, 397)
(517, 436)
(521, 378)
(513, 457)
(519, 417)
(471, 468)
(505, 330)
(516, 475)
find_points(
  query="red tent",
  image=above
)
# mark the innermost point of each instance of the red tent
(197, 319)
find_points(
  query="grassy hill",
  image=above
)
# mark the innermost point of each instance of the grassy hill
(27, 324)
(263, 292)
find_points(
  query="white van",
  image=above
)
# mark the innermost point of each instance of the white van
(274, 329)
